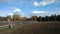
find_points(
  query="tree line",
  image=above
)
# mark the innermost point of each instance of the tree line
(49, 18)
(17, 17)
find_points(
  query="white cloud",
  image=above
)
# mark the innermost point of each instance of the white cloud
(28, 2)
(10, 14)
(38, 12)
(16, 10)
(44, 2)
(36, 3)
(44, 13)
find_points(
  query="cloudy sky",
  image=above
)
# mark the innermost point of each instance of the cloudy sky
(29, 7)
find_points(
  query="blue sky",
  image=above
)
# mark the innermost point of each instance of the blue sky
(29, 7)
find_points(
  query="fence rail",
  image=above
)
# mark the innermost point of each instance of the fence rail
(6, 24)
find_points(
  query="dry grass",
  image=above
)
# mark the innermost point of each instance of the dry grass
(35, 28)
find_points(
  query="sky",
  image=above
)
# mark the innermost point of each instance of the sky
(29, 8)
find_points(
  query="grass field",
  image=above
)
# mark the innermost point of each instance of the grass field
(35, 28)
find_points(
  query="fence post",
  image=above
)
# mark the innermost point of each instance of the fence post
(10, 24)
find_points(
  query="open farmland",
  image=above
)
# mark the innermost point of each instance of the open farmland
(35, 28)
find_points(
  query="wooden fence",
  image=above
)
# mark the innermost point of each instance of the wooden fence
(6, 24)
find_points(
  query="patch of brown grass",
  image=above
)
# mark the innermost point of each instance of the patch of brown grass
(37, 28)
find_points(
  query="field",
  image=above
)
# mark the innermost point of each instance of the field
(35, 28)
